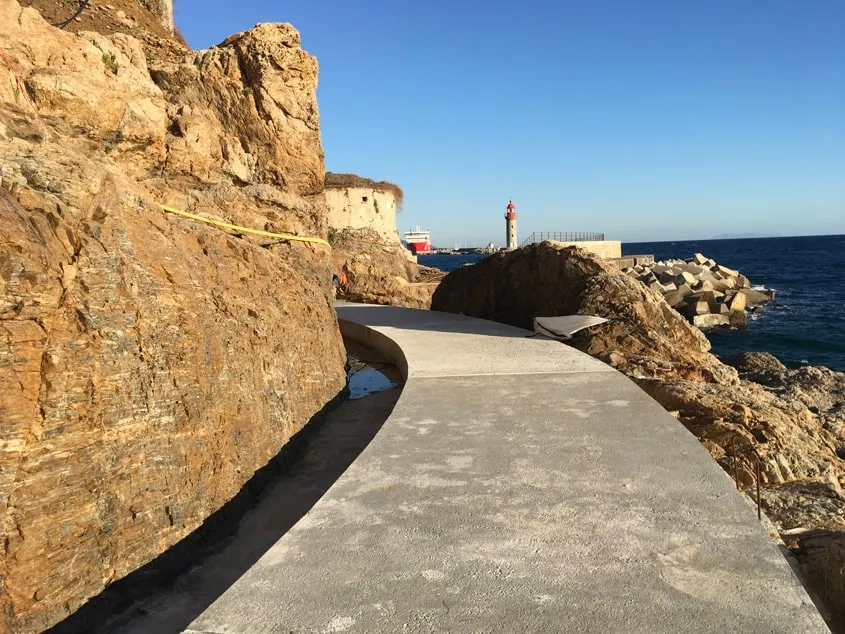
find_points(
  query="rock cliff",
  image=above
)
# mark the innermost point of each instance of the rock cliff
(150, 364)
(792, 421)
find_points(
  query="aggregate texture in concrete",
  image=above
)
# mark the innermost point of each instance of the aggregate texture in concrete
(518, 486)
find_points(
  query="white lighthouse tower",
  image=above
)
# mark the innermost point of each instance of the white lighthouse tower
(510, 226)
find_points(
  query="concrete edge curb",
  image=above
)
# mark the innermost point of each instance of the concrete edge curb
(371, 338)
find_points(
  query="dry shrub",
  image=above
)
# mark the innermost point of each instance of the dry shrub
(345, 181)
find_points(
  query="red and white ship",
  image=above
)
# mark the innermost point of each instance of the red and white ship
(419, 241)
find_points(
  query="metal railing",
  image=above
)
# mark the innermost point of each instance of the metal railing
(568, 236)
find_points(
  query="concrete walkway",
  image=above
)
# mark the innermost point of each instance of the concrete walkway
(518, 486)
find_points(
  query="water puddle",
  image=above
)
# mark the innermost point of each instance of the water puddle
(367, 373)
(368, 381)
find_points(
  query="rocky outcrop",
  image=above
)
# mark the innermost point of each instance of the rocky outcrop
(163, 10)
(150, 364)
(149, 21)
(644, 338)
(369, 258)
(791, 421)
(375, 271)
(708, 294)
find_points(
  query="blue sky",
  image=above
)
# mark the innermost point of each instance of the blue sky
(645, 120)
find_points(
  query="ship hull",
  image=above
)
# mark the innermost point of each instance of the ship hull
(420, 248)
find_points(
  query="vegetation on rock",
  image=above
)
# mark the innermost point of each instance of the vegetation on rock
(345, 181)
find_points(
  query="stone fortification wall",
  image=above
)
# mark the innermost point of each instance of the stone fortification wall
(363, 208)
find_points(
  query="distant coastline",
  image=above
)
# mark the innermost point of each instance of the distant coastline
(744, 236)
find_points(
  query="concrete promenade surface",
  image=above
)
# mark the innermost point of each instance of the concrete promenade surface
(518, 486)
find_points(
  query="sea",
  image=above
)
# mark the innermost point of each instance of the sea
(805, 325)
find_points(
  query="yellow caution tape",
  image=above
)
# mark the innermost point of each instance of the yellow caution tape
(257, 232)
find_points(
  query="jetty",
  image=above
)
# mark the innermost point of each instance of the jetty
(518, 485)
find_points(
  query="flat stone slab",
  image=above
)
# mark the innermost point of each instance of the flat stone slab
(518, 486)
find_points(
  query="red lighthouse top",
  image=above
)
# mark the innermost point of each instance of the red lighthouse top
(511, 213)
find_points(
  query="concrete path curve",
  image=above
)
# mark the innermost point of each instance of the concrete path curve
(518, 486)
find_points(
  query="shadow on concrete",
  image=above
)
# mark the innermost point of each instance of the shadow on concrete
(168, 593)
(434, 321)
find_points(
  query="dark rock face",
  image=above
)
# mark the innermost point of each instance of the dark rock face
(760, 367)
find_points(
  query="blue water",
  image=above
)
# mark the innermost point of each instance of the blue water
(804, 325)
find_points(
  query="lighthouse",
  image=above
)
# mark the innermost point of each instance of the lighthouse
(510, 226)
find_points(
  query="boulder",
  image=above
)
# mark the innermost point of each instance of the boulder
(742, 282)
(752, 297)
(699, 259)
(549, 279)
(704, 285)
(684, 289)
(724, 284)
(738, 318)
(674, 298)
(712, 298)
(737, 302)
(710, 321)
(666, 275)
(726, 271)
(693, 269)
(684, 277)
(696, 305)
(760, 367)
(701, 293)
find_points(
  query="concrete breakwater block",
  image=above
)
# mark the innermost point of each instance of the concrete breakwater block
(708, 294)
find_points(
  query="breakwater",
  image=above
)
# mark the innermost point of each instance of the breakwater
(708, 294)
(804, 325)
